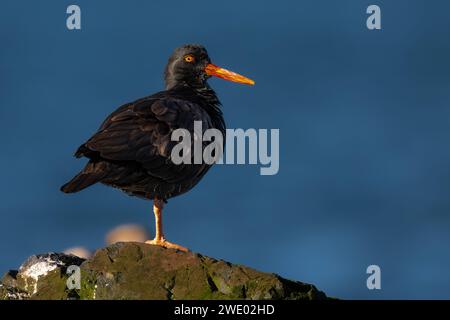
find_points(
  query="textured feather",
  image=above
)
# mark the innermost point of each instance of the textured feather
(132, 148)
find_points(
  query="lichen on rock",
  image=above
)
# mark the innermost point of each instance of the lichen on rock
(141, 271)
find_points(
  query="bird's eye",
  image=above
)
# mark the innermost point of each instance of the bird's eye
(189, 58)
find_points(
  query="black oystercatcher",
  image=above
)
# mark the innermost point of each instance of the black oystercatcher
(132, 148)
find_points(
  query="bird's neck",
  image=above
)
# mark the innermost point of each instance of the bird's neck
(209, 101)
(205, 92)
(212, 105)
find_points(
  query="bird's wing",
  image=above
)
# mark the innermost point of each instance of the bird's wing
(141, 132)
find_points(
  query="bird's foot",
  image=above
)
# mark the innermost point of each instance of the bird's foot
(166, 244)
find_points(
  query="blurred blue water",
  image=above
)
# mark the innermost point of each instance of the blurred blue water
(364, 124)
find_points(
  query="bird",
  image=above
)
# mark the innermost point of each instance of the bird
(131, 150)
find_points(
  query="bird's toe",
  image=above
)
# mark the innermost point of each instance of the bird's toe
(166, 244)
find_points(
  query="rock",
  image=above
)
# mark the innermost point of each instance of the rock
(141, 271)
(10, 278)
(40, 276)
(44, 275)
(8, 287)
(10, 293)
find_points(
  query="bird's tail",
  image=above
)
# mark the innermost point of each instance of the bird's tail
(93, 172)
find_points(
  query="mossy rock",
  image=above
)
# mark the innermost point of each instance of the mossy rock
(142, 271)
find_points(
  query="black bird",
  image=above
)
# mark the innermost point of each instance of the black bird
(132, 148)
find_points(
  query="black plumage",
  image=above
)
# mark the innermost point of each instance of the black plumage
(131, 149)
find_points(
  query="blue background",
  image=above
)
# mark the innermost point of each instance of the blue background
(364, 126)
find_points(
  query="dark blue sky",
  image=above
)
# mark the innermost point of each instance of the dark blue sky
(364, 121)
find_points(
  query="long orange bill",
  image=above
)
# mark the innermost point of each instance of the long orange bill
(213, 70)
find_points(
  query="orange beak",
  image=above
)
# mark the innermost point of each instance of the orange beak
(213, 70)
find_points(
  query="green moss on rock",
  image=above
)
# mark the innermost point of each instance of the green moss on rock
(142, 271)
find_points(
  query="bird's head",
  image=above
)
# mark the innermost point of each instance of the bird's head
(190, 64)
